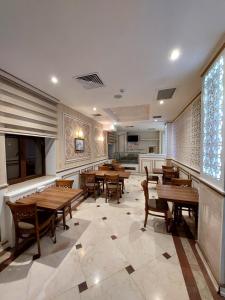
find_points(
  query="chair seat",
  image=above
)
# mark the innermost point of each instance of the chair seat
(112, 186)
(43, 220)
(25, 225)
(158, 204)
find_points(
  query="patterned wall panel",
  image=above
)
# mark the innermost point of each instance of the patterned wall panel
(100, 141)
(71, 127)
(187, 134)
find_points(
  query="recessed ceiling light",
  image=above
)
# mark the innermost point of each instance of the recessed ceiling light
(156, 120)
(94, 108)
(54, 79)
(175, 54)
(161, 102)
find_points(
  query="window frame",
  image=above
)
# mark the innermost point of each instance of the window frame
(22, 158)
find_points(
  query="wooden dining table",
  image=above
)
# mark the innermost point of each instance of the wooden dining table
(52, 198)
(122, 174)
(181, 197)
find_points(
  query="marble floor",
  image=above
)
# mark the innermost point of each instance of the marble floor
(106, 254)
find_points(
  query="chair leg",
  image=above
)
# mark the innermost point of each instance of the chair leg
(70, 210)
(53, 233)
(167, 222)
(146, 218)
(38, 245)
(64, 219)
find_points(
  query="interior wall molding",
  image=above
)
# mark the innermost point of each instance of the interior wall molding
(198, 177)
(189, 103)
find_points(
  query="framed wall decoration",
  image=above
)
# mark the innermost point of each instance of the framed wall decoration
(79, 144)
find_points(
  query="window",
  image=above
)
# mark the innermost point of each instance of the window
(213, 98)
(25, 158)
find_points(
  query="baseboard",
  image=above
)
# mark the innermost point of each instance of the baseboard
(211, 276)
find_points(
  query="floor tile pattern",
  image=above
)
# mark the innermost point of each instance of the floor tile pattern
(97, 260)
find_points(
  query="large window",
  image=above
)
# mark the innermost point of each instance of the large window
(213, 107)
(25, 158)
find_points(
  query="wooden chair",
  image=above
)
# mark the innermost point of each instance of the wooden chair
(168, 176)
(31, 223)
(91, 184)
(104, 168)
(151, 178)
(119, 168)
(185, 183)
(113, 187)
(155, 207)
(66, 184)
(169, 168)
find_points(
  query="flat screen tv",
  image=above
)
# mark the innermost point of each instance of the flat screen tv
(132, 138)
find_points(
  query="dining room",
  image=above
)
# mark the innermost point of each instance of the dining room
(112, 136)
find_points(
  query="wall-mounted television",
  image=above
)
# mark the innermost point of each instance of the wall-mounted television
(132, 138)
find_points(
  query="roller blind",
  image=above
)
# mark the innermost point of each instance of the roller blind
(22, 112)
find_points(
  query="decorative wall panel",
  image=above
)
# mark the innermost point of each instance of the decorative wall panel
(213, 99)
(71, 127)
(100, 142)
(186, 135)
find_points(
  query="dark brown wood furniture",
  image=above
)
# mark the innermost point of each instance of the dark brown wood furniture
(92, 184)
(180, 196)
(104, 168)
(31, 223)
(53, 198)
(155, 207)
(181, 182)
(113, 187)
(65, 184)
(122, 174)
(151, 178)
(157, 171)
(168, 175)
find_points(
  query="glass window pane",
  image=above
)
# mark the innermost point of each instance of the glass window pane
(12, 157)
(33, 156)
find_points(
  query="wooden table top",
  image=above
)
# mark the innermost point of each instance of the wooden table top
(178, 194)
(122, 174)
(53, 198)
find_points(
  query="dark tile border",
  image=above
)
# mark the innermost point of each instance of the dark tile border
(215, 295)
(189, 279)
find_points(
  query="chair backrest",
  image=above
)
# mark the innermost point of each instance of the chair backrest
(144, 185)
(146, 172)
(65, 183)
(112, 178)
(118, 168)
(104, 168)
(89, 178)
(23, 212)
(168, 168)
(181, 182)
(114, 161)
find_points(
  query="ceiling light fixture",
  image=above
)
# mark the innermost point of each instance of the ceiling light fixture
(175, 54)
(156, 120)
(161, 102)
(94, 108)
(54, 79)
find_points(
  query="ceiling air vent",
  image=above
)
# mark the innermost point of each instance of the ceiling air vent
(90, 81)
(97, 115)
(165, 94)
(157, 117)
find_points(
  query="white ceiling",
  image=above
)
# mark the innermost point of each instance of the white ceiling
(127, 42)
